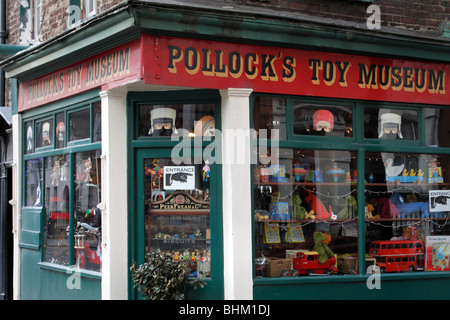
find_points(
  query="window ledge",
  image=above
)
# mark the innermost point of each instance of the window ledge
(70, 270)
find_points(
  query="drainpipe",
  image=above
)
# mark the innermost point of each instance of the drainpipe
(3, 35)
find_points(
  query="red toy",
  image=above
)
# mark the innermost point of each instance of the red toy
(397, 255)
(318, 207)
(307, 262)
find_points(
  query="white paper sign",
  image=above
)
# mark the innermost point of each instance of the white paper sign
(439, 200)
(179, 178)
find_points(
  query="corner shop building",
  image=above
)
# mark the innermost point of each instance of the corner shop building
(91, 160)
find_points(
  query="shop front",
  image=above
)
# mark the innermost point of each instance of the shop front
(276, 170)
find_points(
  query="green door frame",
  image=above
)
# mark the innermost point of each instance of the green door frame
(142, 148)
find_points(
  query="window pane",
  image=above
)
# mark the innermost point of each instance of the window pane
(80, 125)
(29, 142)
(44, 133)
(391, 124)
(177, 213)
(97, 125)
(305, 202)
(269, 113)
(88, 235)
(407, 211)
(33, 177)
(57, 184)
(60, 130)
(437, 133)
(323, 120)
(181, 120)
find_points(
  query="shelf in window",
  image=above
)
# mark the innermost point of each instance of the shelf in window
(305, 220)
(404, 219)
(307, 184)
(162, 212)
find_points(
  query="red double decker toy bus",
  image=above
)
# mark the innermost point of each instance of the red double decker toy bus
(397, 255)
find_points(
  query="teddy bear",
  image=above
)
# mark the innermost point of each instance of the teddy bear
(299, 212)
(321, 242)
(350, 209)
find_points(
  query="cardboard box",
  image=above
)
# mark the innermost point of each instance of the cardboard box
(275, 266)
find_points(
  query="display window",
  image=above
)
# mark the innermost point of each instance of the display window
(64, 182)
(326, 206)
(187, 120)
(44, 133)
(391, 124)
(33, 183)
(407, 212)
(322, 120)
(79, 125)
(270, 114)
(87, 216)
(56, 206)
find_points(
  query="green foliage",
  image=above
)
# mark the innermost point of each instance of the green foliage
(162, 278)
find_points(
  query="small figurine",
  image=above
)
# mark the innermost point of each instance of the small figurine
(87, 170)
(56, 174)
(335, 172)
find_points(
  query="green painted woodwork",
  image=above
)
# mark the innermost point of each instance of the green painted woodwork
(40, 280)
(355, 288)
(153, 147)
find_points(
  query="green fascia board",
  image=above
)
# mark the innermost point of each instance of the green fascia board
(130, 19)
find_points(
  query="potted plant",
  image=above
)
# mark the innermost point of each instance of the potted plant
(160, 277)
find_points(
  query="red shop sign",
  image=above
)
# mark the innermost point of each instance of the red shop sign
(108, 69)
(221, 65)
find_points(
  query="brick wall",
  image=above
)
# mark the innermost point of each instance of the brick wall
(425, 16)
(55, 15)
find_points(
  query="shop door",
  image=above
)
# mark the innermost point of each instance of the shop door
(179, 212)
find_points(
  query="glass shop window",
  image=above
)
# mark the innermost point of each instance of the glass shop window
(190, 120)
(44, 133)
(87, 233)
(29, 137)
(177, 211)
(407, 205)
(97, 122)
(322, 120)
(56, 203)
(269, 113)
(60, 130)
(33, 180)
(79, 125)
(305, 213)
(391, 124)
(437, 133)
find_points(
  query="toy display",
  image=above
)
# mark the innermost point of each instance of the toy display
(323, 120)
(318, 207)
(390, 126)
(350, 209)
(162, 122)
(397, 255)
(335, 172)
(205, 127)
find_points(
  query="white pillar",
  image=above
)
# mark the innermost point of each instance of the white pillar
(114, 195)
(236, 180)
(16, 201)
